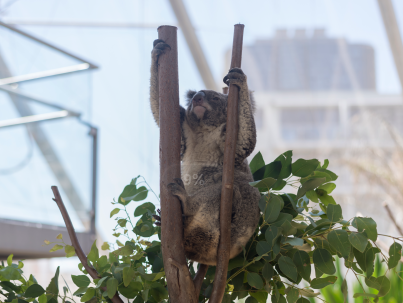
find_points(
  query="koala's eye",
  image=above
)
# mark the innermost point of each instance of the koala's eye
(215, 98)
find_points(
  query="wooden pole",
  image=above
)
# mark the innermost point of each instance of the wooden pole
(231, 137)
(180, 285)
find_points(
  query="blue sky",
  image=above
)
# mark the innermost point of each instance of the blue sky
(128, 135)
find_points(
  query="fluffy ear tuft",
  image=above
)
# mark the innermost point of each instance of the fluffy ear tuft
(252, 101)
(189, 95)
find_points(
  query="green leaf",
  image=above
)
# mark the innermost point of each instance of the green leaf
(144, 208)
(338, 239)
(81, 281)
(111, 286)
(158, 292)
(53, 287)
(285, 159)
(254, 280)
(251, 300)
(323, 261)
(139, 194)
(303, 263)
(35, 290)
(366, 224)
(93, 256)
(263, 247)
(128, 275)
(334, 213)
(271, 234)
(323, 282)
(114, 212)
(288, 267)
(273, 208)
(292, 295)
(382, 284)
(358, 240)
(122, 222)
(282, 217)
(357, 295)
(328, 187)
(395, 253)
(59, 236)
(80, 291)
(105, 246)
(303, 300)
(344, 290)
(262, 203)
(267, 272)
(99, 284)
(88, 295)
(70, 251)
(10, 260)
(265, 183)
(56, 247)
(311, 195)
(324, 197)
(303, 168)
(294, 241)
(360, 257)
(369, 260)
(42, 298)
(308, 293)
(256, 163)
(10, 273)
(131, 290)
(310, 185)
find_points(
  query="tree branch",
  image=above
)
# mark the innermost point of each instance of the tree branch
(199, 277)
(74, 241)
(231, 137)
(392, 218)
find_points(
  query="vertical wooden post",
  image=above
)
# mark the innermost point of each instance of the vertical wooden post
(171, 213)
(231, 137)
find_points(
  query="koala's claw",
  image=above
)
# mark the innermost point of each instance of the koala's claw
(178, 189)
(159, 47)
(235, 74)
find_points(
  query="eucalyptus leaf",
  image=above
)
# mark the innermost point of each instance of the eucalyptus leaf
(302, 261)
(323, 282)
(366, 224)
(395, 253)
(323, 261)
(338, 239)
(288, 267)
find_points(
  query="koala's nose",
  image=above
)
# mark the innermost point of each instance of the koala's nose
(198, 98)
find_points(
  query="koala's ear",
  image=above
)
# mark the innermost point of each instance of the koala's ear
(189, 96)
(252, 101)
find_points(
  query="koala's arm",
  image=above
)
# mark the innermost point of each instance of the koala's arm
(247, 128)
(158, 49)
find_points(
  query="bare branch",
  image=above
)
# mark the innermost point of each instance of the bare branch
(231, 136)
(392, 218)
(74, 241)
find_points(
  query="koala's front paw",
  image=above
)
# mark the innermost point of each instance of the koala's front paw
(178, 189)
(159, 47)
(235, 76)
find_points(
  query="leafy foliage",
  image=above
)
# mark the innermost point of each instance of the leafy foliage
(301, 228)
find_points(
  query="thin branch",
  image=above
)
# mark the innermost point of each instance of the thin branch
(74, 241)
(392, 218)
(199, 277)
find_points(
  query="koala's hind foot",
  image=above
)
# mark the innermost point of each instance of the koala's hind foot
(178, 189)
(157, 218)
(159, 47)
(235, 76)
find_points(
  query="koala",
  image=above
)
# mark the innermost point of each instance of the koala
(203, 128)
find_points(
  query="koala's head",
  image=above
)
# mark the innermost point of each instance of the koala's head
(206, 107)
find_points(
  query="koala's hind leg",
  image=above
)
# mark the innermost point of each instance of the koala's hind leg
(178, 189)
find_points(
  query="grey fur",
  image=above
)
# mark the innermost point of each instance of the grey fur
(203, 139)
